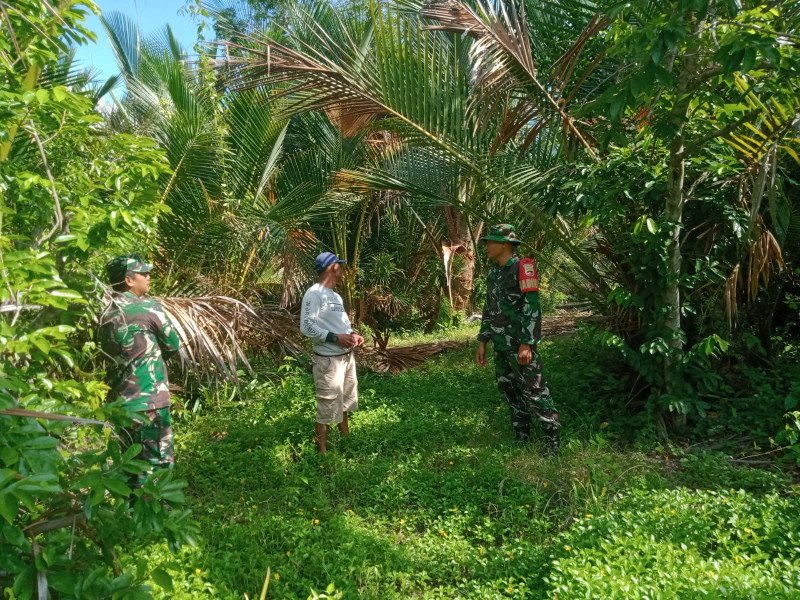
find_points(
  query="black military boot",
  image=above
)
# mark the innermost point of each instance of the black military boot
(522, 436)
(552, 443)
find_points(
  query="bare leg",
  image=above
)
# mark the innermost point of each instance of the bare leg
(321, 432)
(344, 428)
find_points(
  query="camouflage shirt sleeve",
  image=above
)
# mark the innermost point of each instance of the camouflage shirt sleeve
(167, 338)
(527, 323)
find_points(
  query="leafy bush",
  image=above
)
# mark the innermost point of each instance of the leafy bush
(70, 198)
(682, 544)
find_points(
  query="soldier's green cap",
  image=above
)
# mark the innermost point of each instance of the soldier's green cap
(501, 233)
(117, 268)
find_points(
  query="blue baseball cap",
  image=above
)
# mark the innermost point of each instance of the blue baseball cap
(325, 260)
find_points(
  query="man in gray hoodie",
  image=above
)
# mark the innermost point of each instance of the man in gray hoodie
(325, 321)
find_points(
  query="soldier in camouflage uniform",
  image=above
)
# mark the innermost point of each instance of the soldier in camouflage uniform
(512, 321)
(137, 338)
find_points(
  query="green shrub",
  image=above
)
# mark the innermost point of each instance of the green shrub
(682, 544)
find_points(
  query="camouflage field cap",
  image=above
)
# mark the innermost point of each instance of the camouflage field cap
(118, 267)
(501, 233)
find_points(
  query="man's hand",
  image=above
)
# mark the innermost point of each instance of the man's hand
(525, 355)
(349, 340)
(480, 355)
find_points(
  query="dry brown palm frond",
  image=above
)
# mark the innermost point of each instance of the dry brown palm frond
(505, 76)
(731, 288)
(396, 359)
(215, 330)
(763, 256)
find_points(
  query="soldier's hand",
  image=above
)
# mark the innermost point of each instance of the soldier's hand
(480, 356)
(525, 355)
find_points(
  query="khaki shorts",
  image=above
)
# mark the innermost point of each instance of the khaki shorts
(337, 386)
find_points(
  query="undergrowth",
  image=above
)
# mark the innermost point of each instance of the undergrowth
(429, 498)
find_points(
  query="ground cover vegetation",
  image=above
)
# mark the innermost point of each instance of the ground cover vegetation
(647, 154)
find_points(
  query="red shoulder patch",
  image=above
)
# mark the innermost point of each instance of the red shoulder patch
(528, 277)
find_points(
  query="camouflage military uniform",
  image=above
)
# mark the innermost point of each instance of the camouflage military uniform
(512, 316)
(137, 338)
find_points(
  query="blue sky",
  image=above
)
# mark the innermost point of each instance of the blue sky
(151, 15)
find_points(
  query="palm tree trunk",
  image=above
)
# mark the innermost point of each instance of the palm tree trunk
(460, 242)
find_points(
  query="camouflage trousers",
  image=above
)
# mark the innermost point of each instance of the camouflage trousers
(156, 440)
(526, 392)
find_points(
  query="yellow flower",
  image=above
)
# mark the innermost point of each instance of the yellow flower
(201, 504)
(402, 521)
(215, 462)
(451, 462)
(288, 553)
(242, 479)
(736, 558)
(603, 425)
(673, 511)
(726, 500)
(316, 521)
(315, 508)
(567, 548)
(255, 505)
(603, 492)
(222, 506)
(350, 510)
(256, 439)
(527, 506)
(589, 516)
(413, 447)
(711, 573)
(656, 509)
(441, 531)
(482, 550)
(455, 510)
(510, 589)
(199, 446)
(748, 530)
(253, 532)
(249, 449)
(198, 571)
(544, 484)
(277, 576)
(321, 467)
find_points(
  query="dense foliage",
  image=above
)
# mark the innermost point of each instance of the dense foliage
(648, 154)
(71, 197)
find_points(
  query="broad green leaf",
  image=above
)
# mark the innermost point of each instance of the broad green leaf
(9, 505)
(162, 578)
(112, 484)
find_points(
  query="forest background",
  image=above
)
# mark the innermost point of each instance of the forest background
(647, 154)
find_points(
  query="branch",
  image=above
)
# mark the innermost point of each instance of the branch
(779, 34)
(38, 527)
(720, 132)
(61, 224)
(35, 414)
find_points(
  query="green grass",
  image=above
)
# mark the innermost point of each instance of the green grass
(428, 497)
(465, 333)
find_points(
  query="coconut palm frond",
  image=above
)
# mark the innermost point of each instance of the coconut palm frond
(215, 329)
(506, 77)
